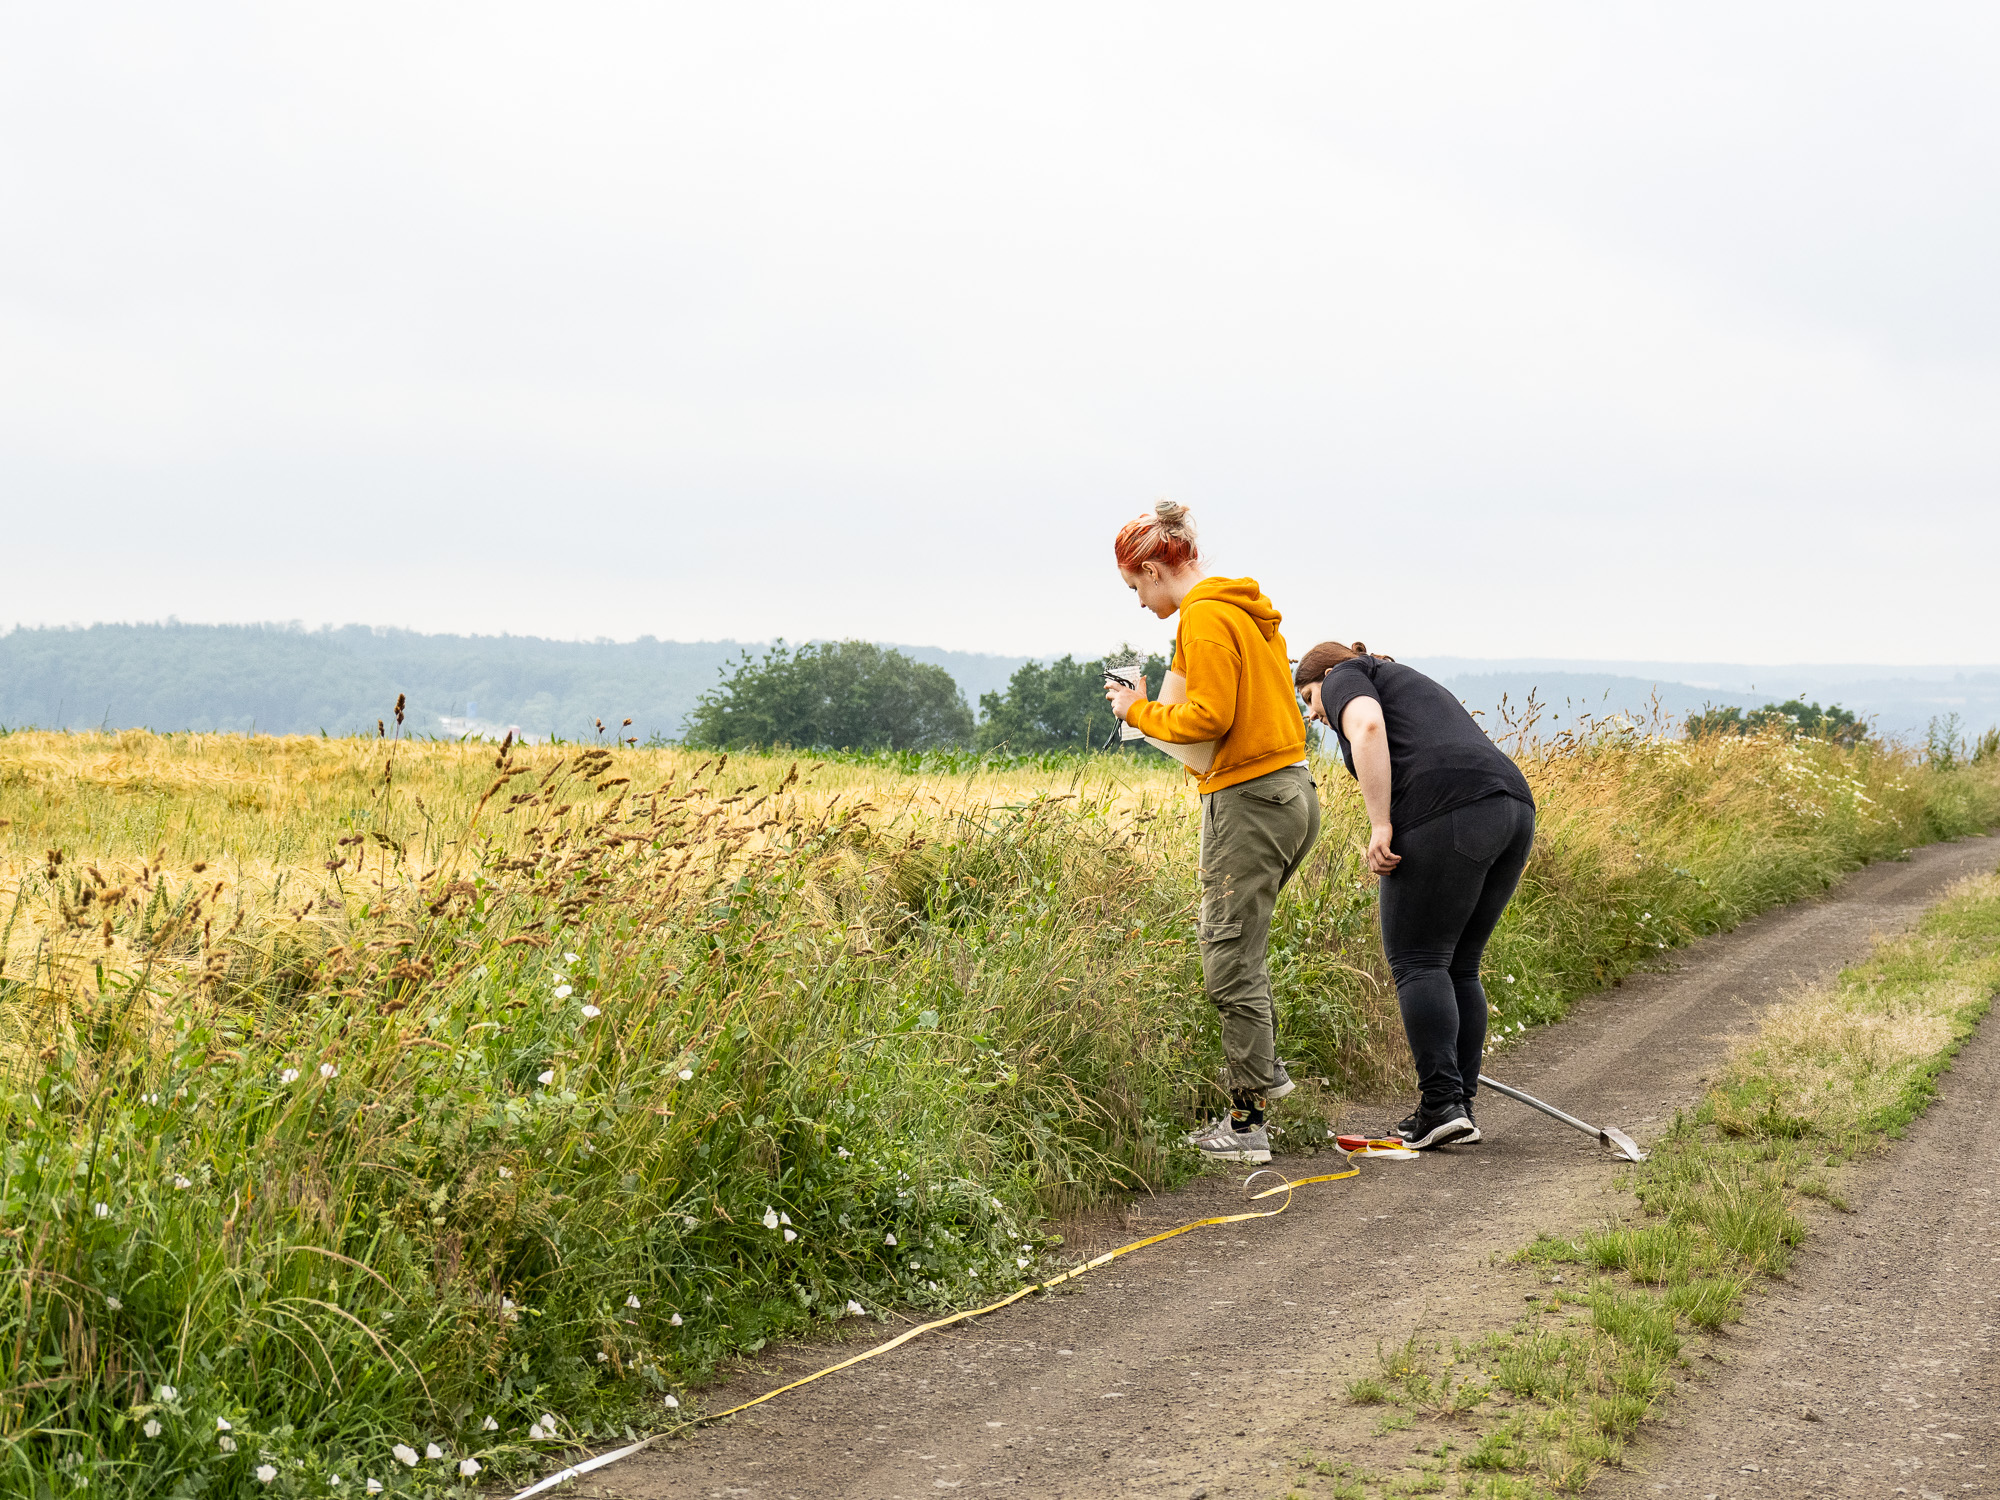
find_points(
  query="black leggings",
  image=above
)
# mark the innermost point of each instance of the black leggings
(1439, 906)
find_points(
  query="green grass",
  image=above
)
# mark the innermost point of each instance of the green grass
(299, 1124)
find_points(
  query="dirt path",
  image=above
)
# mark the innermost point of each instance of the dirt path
(1211, 1365)
(1875, 1368)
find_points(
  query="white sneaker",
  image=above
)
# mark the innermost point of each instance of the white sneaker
(1231, 1144)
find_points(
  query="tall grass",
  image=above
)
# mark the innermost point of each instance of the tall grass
(363, 1095)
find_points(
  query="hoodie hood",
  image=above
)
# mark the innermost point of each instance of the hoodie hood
(1244, 594)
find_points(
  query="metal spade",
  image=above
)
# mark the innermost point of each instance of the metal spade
(1609, 1136)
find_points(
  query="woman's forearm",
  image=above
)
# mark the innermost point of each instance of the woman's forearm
(1371, 769)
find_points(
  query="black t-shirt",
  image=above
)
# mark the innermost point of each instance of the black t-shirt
(1439, 757)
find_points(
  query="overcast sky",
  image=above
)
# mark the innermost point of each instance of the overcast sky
(1659, 331)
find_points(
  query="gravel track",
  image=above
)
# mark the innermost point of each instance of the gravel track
(1213, 1364)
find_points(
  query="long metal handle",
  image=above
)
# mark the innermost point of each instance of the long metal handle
(1533, 1103)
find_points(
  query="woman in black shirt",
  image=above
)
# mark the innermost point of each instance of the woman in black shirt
(1451, 821)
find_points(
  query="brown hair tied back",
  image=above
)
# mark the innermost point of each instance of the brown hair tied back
(1324, 657)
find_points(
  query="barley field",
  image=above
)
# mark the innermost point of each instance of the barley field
(399, 1114)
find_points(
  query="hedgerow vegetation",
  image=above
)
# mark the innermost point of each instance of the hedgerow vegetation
(418, 1111)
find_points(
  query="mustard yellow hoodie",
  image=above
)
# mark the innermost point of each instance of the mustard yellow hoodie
(1239, 685)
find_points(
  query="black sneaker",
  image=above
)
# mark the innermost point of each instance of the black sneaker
(1424, 1130)
(1475, 1138)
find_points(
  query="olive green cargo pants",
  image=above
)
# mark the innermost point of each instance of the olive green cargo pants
(1254, 835)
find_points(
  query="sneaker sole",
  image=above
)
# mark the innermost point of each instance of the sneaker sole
(1450, 1132)
(1280, 1091)
(1249, 1156)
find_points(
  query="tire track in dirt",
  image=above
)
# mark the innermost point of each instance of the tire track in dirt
(1874, 1368)
(1211, 1364)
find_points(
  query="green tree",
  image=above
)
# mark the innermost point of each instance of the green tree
(1794, 715)
(833, 695)
(1059, 706)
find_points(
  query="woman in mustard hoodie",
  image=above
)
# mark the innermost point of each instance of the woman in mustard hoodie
(1259, 807)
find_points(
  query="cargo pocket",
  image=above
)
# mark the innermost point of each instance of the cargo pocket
(1220, 932)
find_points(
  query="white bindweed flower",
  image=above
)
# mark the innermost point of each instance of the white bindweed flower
(675, 1320)
(328, 1070)
(506, 1171)
(102, 1210)
(152, 1427)
(535, 1433)
(290, 1075)
(167, 1393)
(266, 1473)
(1510, 978)
(602, 1357)
(222, 1425)
(432, 1450)
(489, 1425)
(770, 1217)
(113, 1303)
(546, 1077)
(784, 1218)
(888, 1239)
(467, 1467)
(1021, 1262)
(790, 1235)
(591, 1013)
(569, 958)
(673, 1403)
(563, 992)
(686, 1074)
(182, 1183)
(226, 1443)
(632, 1300)
(856, 1310)
(549, 1421)
(374, 1486)
(842, 1152)
(690, 1220)
(405, 1455)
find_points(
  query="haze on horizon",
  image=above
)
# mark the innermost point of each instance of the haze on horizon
(1567, 331)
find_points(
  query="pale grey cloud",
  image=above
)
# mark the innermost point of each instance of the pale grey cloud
(1567, 329)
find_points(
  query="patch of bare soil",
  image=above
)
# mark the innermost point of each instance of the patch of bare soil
(1874, 1369)
(1217, 1363)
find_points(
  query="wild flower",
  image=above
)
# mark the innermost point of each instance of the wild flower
(167, 1393)
(328, 1070)
(856, 1310)
(591, 1012)
(506, 1171)
(405, 1455)
(373, 1486)
(290, 1075)
(152, 1427)
(467, 1467)
(569, 958)
(182, 1183)
(673, 1403)
(535, 1433)
(842, 1152)
(489, 1425)
(222, 1425)
(432, 1450)
(546, 1077)
(549, 1421)
(686, 1074)
(102, 1210)
(888, 1239)
(113, 1303)
(563, 992)
(675, 1320)
(602, 1357)
(226, 1443)
(266, 1473)
(632, 1300)
(770, 1218)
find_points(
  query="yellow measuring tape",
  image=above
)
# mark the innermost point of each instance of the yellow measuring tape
(1372, 1148)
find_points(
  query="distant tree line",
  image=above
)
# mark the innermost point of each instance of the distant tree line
(1793, 716)
(855, 695)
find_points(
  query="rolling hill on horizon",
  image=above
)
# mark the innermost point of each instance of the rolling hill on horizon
(285, 679)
